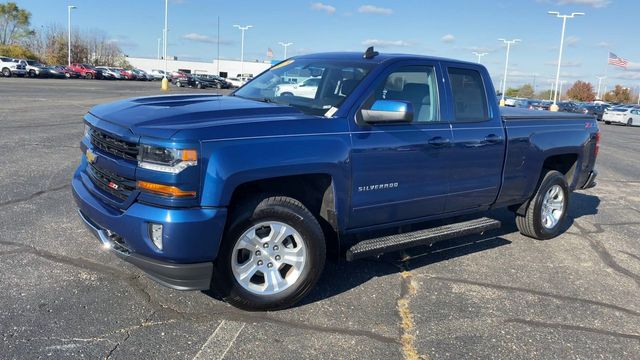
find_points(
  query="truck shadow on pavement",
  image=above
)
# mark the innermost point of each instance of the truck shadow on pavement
(340, 276)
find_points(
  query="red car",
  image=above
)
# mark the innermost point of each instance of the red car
(86, 71)
(127, 74)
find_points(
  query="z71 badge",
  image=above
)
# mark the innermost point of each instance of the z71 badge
(378, 187)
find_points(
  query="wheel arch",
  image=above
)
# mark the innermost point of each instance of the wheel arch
(316, 191)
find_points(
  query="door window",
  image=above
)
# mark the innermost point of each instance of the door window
(416, 85)
(469, 95)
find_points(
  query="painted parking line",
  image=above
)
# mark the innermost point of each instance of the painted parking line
(220, 341)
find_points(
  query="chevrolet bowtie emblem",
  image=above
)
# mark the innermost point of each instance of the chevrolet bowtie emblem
(91, 156)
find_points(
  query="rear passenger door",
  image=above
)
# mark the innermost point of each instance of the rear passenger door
(478, 139)
(399, 171)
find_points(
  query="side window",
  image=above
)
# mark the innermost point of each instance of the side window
(414, 84)
(469, 95)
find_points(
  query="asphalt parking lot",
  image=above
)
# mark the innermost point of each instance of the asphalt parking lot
(499, 295)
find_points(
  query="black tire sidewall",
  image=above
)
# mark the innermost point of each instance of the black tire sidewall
(552, 178)
(226, 284)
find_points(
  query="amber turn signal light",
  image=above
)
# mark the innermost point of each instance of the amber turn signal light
(164, 190)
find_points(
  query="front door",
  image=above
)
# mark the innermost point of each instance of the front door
(400, 170)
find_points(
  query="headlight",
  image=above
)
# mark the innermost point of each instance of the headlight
(87, 130)
(165, 159)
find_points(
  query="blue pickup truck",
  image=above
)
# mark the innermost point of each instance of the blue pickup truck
(248, 193)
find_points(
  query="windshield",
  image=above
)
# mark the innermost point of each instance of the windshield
(313, 86)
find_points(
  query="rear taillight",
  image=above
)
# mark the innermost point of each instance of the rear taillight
(597, 148)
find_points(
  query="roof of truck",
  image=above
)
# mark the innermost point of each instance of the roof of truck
(378, 59)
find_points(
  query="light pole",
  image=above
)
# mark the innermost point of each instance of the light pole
(242, 29)
(559, 94)
(285, 45)
(69, 8)
(551, 82)
(600, 78)
(506, 66)
(554, 107)
(479, 55)
(165, 81)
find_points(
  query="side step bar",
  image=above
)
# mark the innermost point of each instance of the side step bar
(377, 246)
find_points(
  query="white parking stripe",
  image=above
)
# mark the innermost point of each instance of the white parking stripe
(222, 337)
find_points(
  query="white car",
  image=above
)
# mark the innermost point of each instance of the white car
(10, 67)
(627, 115)
(157, 74)
(307, 89)
(235, 82)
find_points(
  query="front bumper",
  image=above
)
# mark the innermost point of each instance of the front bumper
(191, 236)
(591, 180)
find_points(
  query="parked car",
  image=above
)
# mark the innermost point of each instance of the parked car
(158, 74)
(179, 75)
(68, 72)
(85, 70)
(593, 109)
(542, 105)
(142, 75)
(54, 72)
(34, 68)
(568, 106)
(248, 193)
(306, 89)
(627, 115)
(214, 81)
(109, 73)
(11, 67)
(235, 82)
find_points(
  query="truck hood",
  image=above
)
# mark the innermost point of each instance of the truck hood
(164, 116)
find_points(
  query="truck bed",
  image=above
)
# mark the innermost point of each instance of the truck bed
(509, 113)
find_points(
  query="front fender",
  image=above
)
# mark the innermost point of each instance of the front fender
(231, 163)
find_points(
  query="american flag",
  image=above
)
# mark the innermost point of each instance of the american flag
(617, 61)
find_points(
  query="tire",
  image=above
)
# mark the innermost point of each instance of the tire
(67, 75)
(264, 215)
(88, 76)
(608, 122)
(630, 122)
(6, 72)
(218, 86)
(178, 83)
(533, 224)
(199, 85)
(32, 74)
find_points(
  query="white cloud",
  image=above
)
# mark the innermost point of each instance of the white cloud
(592, 3)
(318, 6)
(371, 9)
(603, 44)
(448, 38)
(204, 39)
(386, 43)
(571, 40)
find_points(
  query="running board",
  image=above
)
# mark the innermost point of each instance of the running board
(378, 246)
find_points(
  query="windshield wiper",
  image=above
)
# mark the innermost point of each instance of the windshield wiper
(265, 100)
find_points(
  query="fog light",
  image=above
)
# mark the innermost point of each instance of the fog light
(155, 231)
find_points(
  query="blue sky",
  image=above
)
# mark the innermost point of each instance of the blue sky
(452, 28)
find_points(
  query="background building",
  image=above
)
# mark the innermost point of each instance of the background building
(226, 68)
